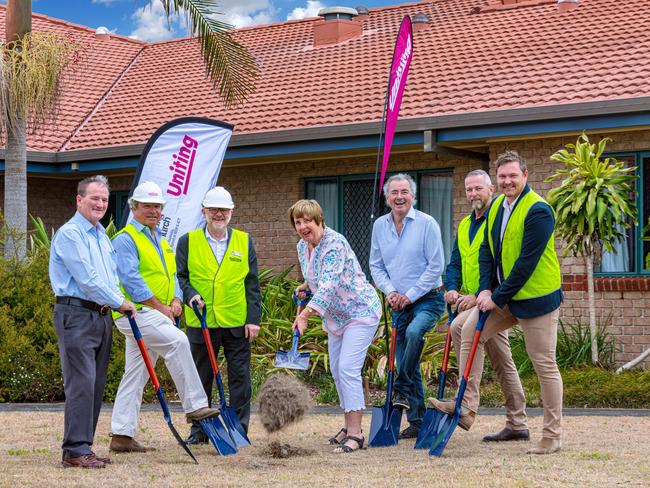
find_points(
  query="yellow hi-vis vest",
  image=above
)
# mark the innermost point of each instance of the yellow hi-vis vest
(221, 286)
(159, 278)
(469, 253)
(546, 277)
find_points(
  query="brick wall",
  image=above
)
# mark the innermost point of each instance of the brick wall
(263, 193)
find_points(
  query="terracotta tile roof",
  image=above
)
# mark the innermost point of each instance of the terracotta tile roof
(102, 62)
(468, 60)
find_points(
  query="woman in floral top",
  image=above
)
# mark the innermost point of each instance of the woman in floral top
(348, 305)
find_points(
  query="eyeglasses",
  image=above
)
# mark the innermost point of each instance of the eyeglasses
(215, 211)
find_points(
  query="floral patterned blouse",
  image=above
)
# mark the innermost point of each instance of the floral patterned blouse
(341, 293)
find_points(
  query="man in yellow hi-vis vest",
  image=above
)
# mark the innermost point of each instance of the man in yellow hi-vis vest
(461, 283)
(217, 269)
(147, 271)
(520, 282)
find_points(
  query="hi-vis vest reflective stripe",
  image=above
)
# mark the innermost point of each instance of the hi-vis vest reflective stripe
(546, 277)
(221, 286)
(159, 280)
(469, 253)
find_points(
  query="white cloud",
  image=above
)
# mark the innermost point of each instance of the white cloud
(310, 10)
(244, 13)
(151, 23)
(103, 2)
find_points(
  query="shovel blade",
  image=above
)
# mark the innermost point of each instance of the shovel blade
(428, 429)
(234, 426)
(384, 426)
(445, 428)
(292, 361)
(218, 435)
(180, 440)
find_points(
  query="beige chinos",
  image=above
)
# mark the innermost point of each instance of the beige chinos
(500, 356)
(540, 335)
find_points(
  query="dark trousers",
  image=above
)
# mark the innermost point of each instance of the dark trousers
(237, 350)
(84, 338)
(412, 323)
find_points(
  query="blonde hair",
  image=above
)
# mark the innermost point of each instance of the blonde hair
(306, 208)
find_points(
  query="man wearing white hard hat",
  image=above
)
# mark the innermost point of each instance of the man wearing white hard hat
(217, 269)
(147, 270)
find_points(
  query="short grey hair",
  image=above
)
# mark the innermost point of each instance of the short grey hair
(401, 177)
(480, 172)
(82, 187)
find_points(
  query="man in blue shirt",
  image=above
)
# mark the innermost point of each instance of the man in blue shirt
(147, 271)
(406, 263)
(84, 280)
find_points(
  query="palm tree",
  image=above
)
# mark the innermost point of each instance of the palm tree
(229, 65)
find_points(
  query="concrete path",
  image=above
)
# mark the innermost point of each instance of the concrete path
(332, 410)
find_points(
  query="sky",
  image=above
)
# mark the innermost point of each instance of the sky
(146, 20)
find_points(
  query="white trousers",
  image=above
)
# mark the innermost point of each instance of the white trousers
(347, 353)
(161, 338)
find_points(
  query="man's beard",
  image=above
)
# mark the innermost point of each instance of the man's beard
(478, 205)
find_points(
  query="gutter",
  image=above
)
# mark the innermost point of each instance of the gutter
(470, 119)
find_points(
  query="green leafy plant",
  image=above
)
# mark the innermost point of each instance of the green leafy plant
(593, 205)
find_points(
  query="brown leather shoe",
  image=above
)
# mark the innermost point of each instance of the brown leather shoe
(88, 461)
(546, 446)
(467, 417)
(105, 460)
(201, 413)
(508, 434)
(124, 443)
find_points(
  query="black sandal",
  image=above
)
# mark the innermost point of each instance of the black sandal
(333, 441)
(346, 449)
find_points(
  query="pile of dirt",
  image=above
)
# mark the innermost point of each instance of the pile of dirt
(281, 451)
(283, 400)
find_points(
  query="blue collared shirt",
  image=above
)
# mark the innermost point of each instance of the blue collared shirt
(129, 259)
(83, 263)
(411, 262)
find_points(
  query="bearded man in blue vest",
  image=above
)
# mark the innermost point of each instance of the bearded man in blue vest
(520, 282)
(462, 283)
(217, 269)
(147, 270)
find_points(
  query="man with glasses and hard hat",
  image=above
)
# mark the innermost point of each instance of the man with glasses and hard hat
(217, 269)
(147, 272)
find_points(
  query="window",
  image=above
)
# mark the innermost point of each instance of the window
(346, 202)
(117, 204)
(630, 255)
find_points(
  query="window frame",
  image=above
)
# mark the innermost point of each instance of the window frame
(639, 258)
(340, 179)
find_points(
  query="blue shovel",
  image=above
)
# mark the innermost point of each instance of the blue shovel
(432, 416)
(294, 359)
(156, 384)
(235, 430)
(386, 420)
(447, 423)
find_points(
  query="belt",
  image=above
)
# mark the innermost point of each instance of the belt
(78, 302)
(436, 290)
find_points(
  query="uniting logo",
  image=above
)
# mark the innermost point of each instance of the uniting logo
(181, 167)
(404, 58)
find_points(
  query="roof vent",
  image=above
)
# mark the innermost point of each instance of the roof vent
(361, 10)
(566, 5)
(102, 32)
(420, 22)
(337, 26)
(337, 13)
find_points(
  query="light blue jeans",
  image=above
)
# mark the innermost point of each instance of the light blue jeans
(412, 323)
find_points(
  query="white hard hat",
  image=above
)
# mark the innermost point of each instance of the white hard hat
(147, 192)
(218, 197)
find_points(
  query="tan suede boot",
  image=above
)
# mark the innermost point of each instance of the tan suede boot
(467, 417)
(124, 443)
(546, 446)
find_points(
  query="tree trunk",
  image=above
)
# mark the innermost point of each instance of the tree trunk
(18, 22)
(589, 261)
